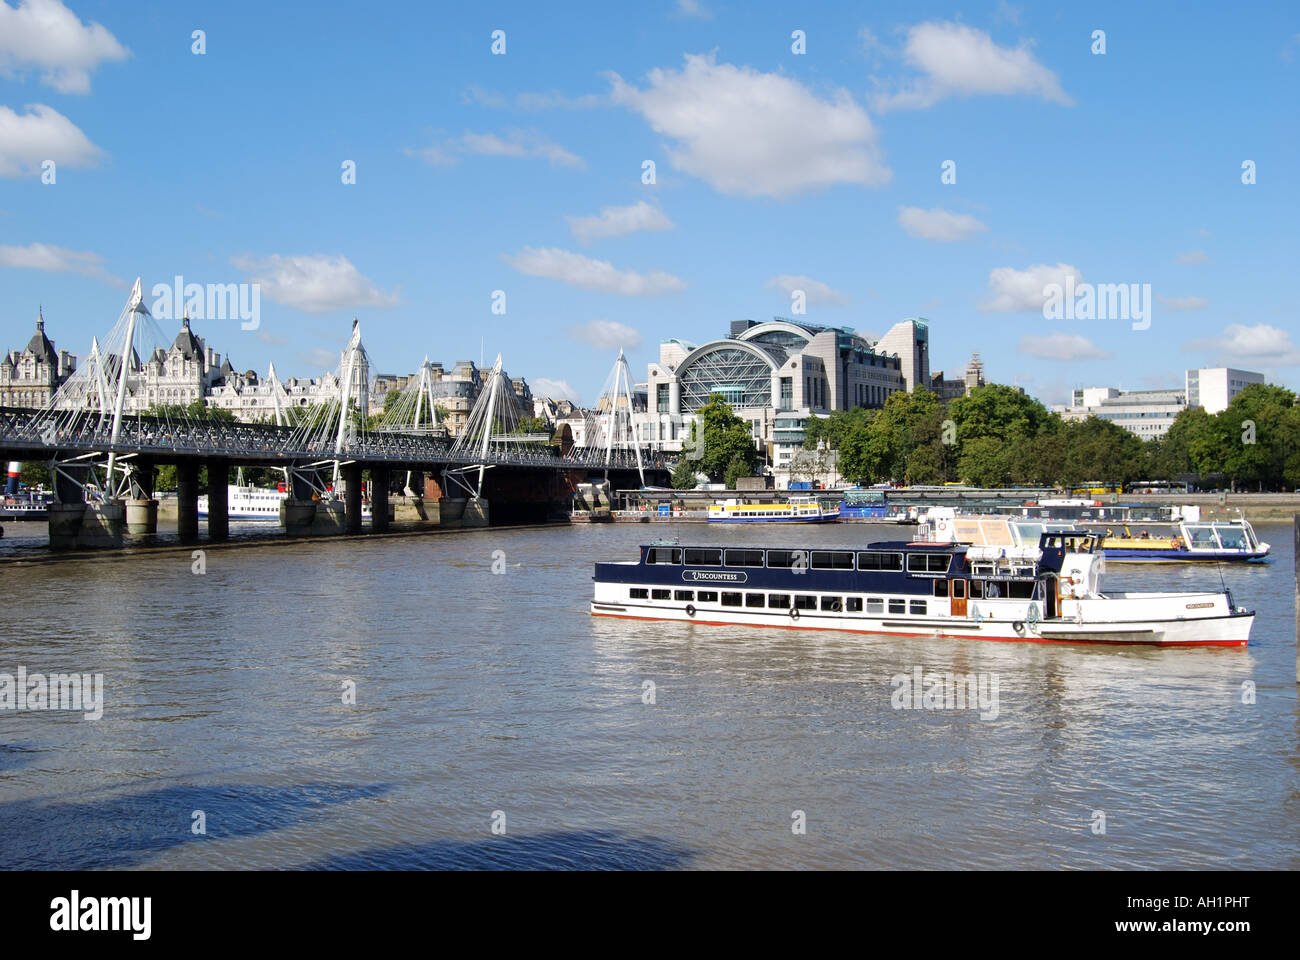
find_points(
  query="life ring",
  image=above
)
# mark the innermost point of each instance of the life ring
(794, 613)
(690, 609)
(1018, 626)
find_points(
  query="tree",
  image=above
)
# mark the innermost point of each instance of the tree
(737, 468)
(684, 475)
(722, 438)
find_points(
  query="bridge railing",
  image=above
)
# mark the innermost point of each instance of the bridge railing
(84, 432)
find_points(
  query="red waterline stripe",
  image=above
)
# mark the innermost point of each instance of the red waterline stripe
(946, 636)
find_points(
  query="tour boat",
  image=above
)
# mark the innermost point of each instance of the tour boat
(1218, 541)
(1048, 592)
(249, 503)
(795, 510)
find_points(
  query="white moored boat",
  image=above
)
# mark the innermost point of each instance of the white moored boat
(1045, 592)
(794, 510)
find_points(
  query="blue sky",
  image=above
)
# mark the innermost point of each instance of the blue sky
(774, 170)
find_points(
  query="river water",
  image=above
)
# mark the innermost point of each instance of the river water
(487, 699)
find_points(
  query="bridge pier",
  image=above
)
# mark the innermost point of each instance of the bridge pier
(68, 510)
(218, 499)
(187, 500)
(142, 511)
(298, 510)
(352, 497)
(379, 480)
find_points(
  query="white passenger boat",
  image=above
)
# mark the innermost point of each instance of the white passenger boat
(249, 503)
(1044, 592)
(794, 510)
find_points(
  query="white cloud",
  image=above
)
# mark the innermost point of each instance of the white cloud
(938, 224)
(816, 291)
(606, 335)
(619, 221)
(1256, 346)
(1062, 346)
(1012, 290)
(1183, 303)
(555, 389)
(693, 10)
(1194, 256)
(47, 36)
(756, 134)
(587, 274)
(314, 283)
(42, 133)
(517, 143)
(960, 61)
(51, 259)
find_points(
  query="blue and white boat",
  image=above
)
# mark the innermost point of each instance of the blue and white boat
(794, 510)
(1047, 592)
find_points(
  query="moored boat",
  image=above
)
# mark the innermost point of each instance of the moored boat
(1047, 592)
(794, 510)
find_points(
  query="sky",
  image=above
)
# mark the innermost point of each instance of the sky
(889, 160)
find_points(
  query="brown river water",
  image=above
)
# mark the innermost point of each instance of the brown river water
(489, 700)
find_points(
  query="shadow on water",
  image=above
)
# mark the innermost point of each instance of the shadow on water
(125, 831)
(574, 850)
(14, 756)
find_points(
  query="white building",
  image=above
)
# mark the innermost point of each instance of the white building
(1214, 387)
(775, 375)
(1145, 413)
(30, 377)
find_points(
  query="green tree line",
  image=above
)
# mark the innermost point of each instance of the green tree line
(997, 435)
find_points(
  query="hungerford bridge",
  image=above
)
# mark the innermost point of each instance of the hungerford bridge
(103, 460)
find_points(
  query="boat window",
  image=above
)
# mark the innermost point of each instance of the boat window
(977, 589)
(663, 555)
(687, 595)
(779, 600)
(832, 560)
(805, 602)
(897, 606)
(660, 594)
(703, 557)
(832, 604)
(1233, 538)
(639, 593)
(1202, 536)
(941, 588)
(707, 596)
(875, 605)
(731, 599)
(755, 599)
(785, 559)
(744, 558)
(916, 608)
(874, 560)
(853, 604)
(928, 562)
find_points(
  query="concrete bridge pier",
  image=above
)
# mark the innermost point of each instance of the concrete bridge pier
(142, 512)
(379, 508)
(66, 515)
(218, 499)
(298, 510)
(352, 497)
(187, 500)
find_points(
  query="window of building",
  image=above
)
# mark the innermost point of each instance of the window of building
(787, 393)
(661, 398)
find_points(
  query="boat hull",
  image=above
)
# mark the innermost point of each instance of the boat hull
(823, 518)
(1123, 555)
(1229, 630)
